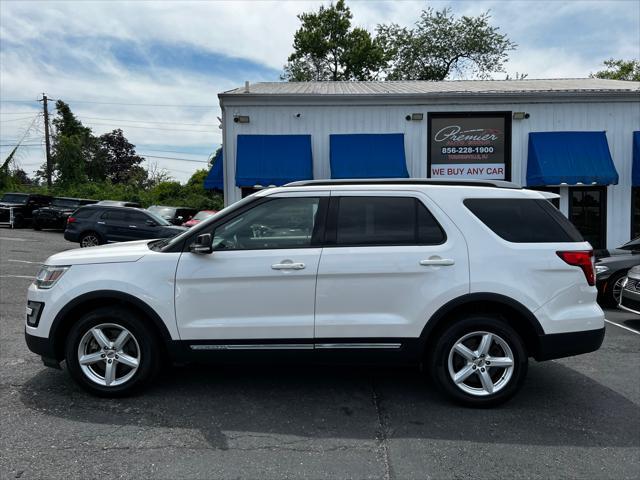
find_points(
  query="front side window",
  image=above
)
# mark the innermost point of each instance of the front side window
(376, 221)
(276, 223)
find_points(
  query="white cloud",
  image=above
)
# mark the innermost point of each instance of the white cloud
(65, 49)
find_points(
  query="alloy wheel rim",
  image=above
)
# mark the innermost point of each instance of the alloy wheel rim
(90, 241)
(109, 354)
(481, 363)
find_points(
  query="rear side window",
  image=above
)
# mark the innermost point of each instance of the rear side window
(83, 213)
(118, 215)
(524, 220)
(375, 221)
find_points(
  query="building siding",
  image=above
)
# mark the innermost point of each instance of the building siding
(618, 118)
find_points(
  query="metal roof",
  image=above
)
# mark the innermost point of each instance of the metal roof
(439, 88)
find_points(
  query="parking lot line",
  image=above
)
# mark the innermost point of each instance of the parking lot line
(22, 261)
(17, 276)
(622, 326)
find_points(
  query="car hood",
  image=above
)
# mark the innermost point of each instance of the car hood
(620, 261)
(9, 204)
(113, 253)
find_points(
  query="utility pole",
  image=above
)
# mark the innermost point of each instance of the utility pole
(47, 142)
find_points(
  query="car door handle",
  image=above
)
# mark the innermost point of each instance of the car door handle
(100, 223)
(437, 262)
(133, 226)
(288, 266)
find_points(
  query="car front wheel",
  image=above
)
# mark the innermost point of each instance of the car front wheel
(479, 361)
(110, 352)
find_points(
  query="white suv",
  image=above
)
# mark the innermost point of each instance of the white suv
(468, 279)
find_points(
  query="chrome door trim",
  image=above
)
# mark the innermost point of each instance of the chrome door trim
(255, 346)
(391, 346)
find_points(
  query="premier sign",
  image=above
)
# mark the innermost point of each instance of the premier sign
(470, 145)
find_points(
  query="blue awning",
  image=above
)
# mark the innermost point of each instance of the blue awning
(273, 159)
(570, 158)
(368, 155)
(215, 179)
(635, 175)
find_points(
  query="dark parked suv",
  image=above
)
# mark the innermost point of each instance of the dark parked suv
(56, 214)
(16, 209)
(98, 224)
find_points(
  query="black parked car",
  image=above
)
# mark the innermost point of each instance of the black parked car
(98, 224)
(16, 209)
(612, 268)
(174, 215)
(56, 214)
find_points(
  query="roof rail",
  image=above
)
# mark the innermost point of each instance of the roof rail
(406, 181)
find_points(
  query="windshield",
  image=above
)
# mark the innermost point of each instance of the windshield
(14, 198)
(165, 212)
(202, 226)
(65, 203)
(158, 219)
(202, 215)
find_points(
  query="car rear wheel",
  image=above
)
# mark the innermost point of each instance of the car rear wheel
(479, 361)
(110, 352)
(90, 239)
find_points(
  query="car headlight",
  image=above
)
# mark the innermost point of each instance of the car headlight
(600, 269)
(49, 275)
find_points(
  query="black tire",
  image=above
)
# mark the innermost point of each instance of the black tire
(144, 346)
(18, 221)
(35, 225)
(471, 392)
(609, 299)
(85, 239)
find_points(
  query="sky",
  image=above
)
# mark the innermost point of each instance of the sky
(154, 68)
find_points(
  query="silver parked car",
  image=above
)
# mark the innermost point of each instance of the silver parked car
(630, 295)
(611, 269)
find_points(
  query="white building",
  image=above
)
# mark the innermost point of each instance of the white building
(538, 133)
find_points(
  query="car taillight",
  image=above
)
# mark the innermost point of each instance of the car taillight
(582, 259)
(71, 220)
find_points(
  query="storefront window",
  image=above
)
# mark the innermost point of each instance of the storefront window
(635, 212)
(587, 211)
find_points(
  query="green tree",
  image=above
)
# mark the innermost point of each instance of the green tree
(326, 47)
(619, 70)
(440, 45)
(118, 159)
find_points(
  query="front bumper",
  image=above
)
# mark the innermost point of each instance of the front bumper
(630, 301)
(44, 347)
(559, 345)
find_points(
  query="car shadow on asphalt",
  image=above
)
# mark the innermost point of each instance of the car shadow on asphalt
(557, 406)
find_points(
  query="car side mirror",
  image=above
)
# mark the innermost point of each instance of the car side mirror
(151, 223)
(203, 244)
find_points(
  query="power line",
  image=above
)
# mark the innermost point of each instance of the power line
(18, 101)
(169, 151)
(17, 119)
(141, 104)
(174, 158)
(147, 121)
(154, 128)
(16, 113)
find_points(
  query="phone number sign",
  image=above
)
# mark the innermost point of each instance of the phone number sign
(470, 145)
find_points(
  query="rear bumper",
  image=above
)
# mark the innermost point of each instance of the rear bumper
(559, 345)
(71, 236)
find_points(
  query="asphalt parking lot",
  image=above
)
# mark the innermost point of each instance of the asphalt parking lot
(575, 418)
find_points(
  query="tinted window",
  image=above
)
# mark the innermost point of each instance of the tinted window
(524, 220)
(83, 212)
(14, 198)
(277, 223)
(386, 221)
(118, 215)
(137, 217)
